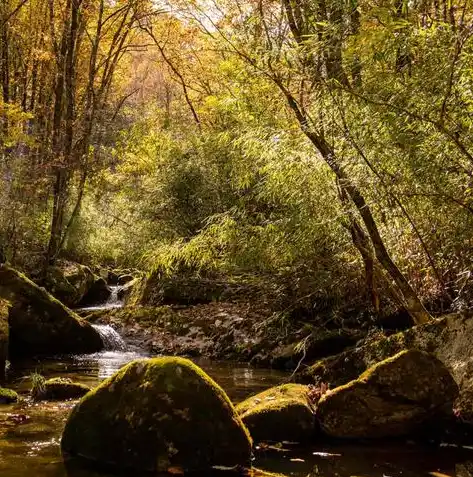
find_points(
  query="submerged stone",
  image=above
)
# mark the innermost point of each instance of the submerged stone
(8, 396)
(392, 398)
(40, 324)
(282, 413)
(59, 389)
(157, 414)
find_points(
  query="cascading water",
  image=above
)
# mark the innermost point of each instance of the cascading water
(112, 341)
(114, 299)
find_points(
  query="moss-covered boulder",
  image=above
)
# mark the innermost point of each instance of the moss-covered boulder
(59, 389)
(157, 414)
(391, 398)
(8, 396)
(4, 337)
(69, 282)
(282, 413)
(40, 324)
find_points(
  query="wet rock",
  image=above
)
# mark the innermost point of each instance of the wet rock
(59, 389)
(8, 396)
(4, 335)
(40, 324)
(99, 292)
(282, 413)
(392, 398)
(69, 282)
(157, 414)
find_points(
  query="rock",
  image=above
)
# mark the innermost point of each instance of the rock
(449, 338)
(283, 413)
(391, 398)
(39, 324)
(319, 344)
(69, 282)
(154, 415)
(99, 292)
(59, 389)
(4, 336)
(8, 396)
(126, 291)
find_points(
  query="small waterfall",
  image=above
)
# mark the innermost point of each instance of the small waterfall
(112, 341)
(114, 300)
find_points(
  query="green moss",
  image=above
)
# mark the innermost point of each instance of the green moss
(281, 413)
(390, 398)
(8, 396)
(155, 414)
(39, 323)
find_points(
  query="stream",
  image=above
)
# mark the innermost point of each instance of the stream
(30, 432)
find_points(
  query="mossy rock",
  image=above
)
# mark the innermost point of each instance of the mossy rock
(59, 389)
(282, 413)
(39, 324)
(157, 414)
(392, 398)
(4, 337)
(69, 282)
(8, 396)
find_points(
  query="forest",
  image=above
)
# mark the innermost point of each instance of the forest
(281, 182)
(325, 152)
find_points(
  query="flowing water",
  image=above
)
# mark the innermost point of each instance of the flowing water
(113, 301)
(112, 341)
(30, 433)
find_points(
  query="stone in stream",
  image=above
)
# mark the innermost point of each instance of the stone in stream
(282, 413)
(392, 398)
(40, 324)
(4, 336)
(8, 396)
(154, 415)
(58, 389)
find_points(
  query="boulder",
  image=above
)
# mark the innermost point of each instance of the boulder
(449, 338)
(59, 389)
(126, 291)
(4, 334)
(39, 324)
(154, 415)
(69, 282)
(8, 396)
(99, 292)
(282, 413)
(391, 398)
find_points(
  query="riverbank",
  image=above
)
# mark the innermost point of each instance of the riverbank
(246, 332)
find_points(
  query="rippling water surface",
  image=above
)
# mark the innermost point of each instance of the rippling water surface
(30, 433)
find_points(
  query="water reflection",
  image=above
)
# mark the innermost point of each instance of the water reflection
(32, 448)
